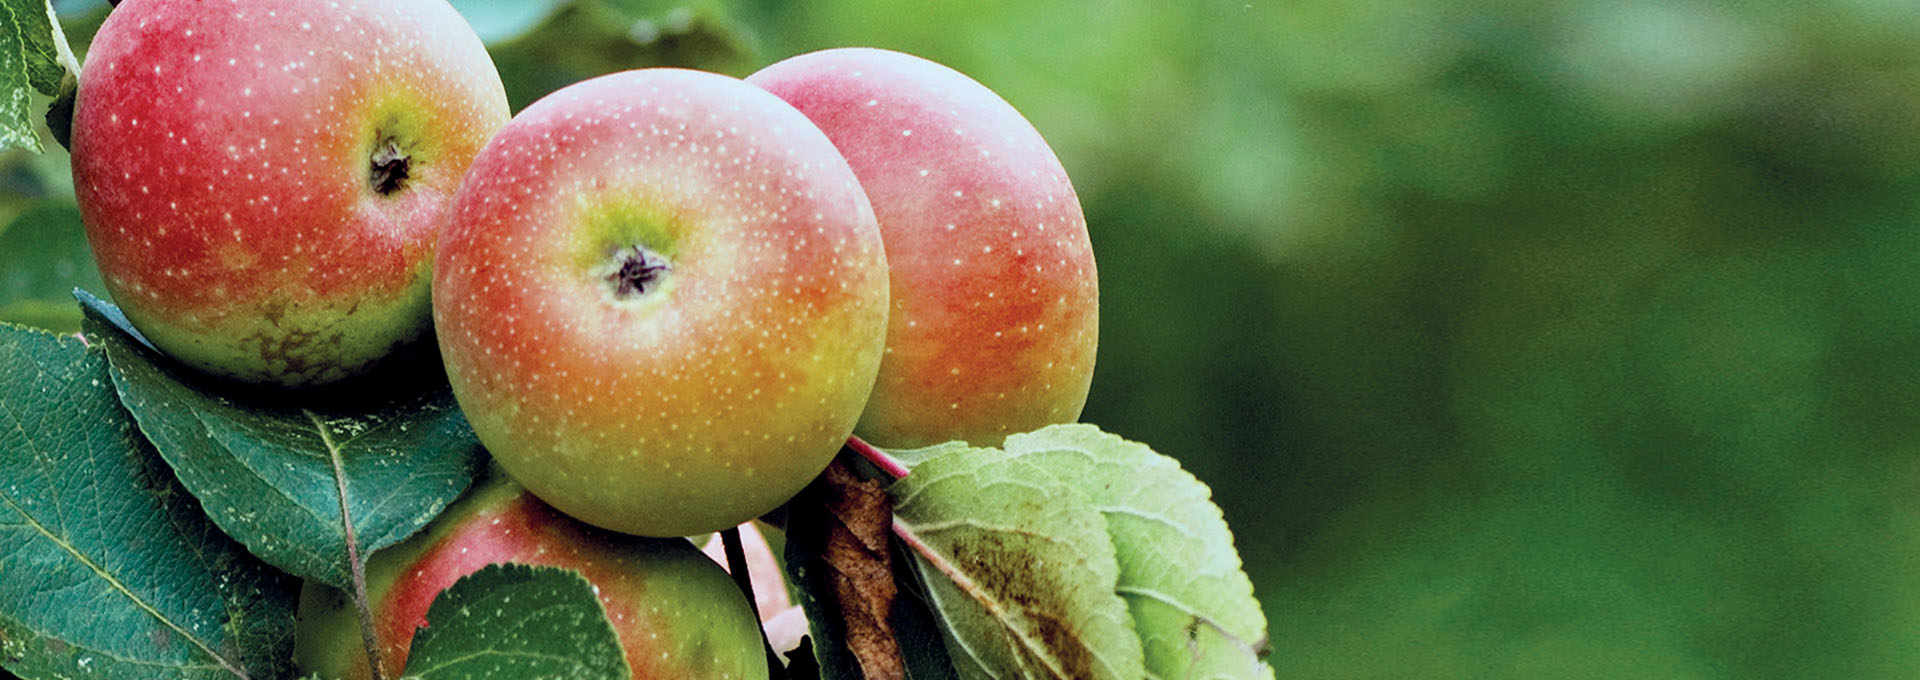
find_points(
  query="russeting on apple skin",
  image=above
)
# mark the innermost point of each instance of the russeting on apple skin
(661, 300)
(995, 298)
(262, 181)
(676, 613)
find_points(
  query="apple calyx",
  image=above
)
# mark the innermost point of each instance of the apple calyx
(640, 270)
(387, 167)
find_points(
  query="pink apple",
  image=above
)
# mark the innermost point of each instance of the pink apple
(661, 300)
(676, 613)
(263, 181)
(995, 301)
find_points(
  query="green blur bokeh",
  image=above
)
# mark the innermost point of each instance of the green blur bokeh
(1515, 339)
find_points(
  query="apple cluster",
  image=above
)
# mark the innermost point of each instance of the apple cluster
(664, 298)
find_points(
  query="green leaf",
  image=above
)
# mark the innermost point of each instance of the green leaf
(107, 567)
(1020, 567)
(586, 38)
(43, 257)
(912, 458)
(33, 56)
(808, 575)
(265, 471)
(517, 621)
(1192, 605)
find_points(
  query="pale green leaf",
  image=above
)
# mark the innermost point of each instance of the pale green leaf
(33, 57)
(517, 621)
(1020, 567)
(264, 470)
(107, 567)
(1192, 604)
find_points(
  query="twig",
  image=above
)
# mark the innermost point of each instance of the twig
(888, 464)
(737, 566)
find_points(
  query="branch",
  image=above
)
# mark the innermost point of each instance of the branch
(737, 567)
(888, 464)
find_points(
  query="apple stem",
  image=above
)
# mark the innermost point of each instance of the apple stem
(737, 567)
(888, 464)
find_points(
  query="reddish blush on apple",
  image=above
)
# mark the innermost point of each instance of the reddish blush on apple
(661, 301)
(262, 182)
(995, 299)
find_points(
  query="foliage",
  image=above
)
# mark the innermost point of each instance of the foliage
(273, 472)
(517, 621)
(1513, 339)
(107, 567)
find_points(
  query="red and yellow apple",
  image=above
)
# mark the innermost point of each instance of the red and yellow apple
(263, 181)
(675, 612)
(661, 300)
(995, 300)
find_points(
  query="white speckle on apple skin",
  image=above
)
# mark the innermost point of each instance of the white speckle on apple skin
(951, 210)
(222, 118)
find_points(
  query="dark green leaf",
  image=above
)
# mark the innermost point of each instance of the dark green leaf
(60, 114)
(517, 621)
(586, 38)
(912, 458)
(265, 472)
(107, 567)
(922, 643)
(1192, 605)
(1019, 566)
(809, 522)
(32, 57)
(43, 257)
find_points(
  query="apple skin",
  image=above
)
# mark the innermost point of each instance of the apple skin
(716, 390)
(223, 159)
(995, 299)
(676, 613)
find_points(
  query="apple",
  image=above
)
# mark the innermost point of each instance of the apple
(995, 300)
(661, 300)
(676, 613)
(763, 569)
(262, 182)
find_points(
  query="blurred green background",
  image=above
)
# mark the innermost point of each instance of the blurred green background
(1516, 339)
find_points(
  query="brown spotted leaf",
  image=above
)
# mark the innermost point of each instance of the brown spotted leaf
(1020, 567)
(1192, 604)
(862, 569)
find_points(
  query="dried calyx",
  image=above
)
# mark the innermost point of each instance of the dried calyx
(640, 271)
(387, 168)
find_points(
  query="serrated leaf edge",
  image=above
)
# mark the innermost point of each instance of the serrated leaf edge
(119, 587)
